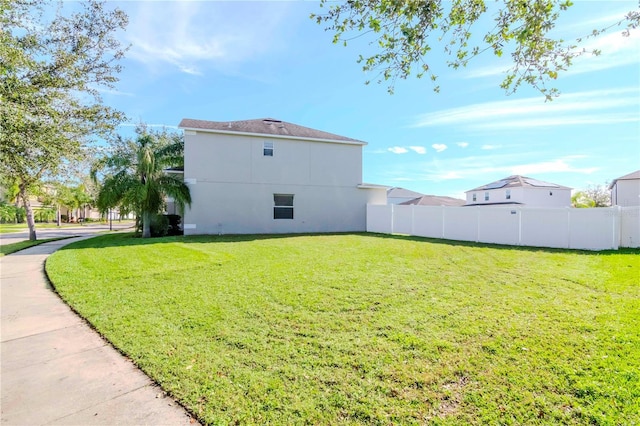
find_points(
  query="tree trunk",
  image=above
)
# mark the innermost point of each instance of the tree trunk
(29, 213)
(146, 224)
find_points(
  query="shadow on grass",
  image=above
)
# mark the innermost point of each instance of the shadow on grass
(131, 239)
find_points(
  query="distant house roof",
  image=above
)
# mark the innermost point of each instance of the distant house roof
(397, 192)
(505, 203)
(265, 126)
(434, 200)
(630, 176)
(517, 181)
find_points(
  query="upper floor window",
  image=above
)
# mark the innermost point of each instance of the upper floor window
(283, 206)
(267, 149)
(508, 194)
(486, 196)
(474, 197)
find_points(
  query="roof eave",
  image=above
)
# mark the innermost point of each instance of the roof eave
(267, 135)
(372, 186)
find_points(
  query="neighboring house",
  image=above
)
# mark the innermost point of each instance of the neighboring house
(625, 190)
(434, 200)
(270, 176)
(398, 195)
(520, 190)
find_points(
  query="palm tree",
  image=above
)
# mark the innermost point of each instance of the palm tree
(137, 180)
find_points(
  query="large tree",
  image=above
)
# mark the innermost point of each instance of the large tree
(50, 74)
(403, 33)
(136, 178)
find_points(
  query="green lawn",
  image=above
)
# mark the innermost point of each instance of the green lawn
(6, 228)
(6, 249)
(367, 329)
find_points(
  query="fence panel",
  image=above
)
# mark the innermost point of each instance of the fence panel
(630, 226)
(428, 221)
(545, 227)
(499, 225)
(379, 218)
(402, 219)
(461, 223)
(593, 229)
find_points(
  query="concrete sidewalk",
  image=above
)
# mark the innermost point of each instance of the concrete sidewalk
(56, 369)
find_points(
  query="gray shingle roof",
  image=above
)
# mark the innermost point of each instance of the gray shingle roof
(630, 176)
(517, 181)
(397, 192)
(264, 126)
(434, 200)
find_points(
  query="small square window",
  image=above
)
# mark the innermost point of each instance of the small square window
(283, 206)
(508, 194)
(267, 149)
(486, 196)
(474, 197)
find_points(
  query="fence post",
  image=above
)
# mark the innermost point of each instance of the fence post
(568, 227)
(392, 205)
(413, 209)
(477, 224)
(519, 210)
(616, 219)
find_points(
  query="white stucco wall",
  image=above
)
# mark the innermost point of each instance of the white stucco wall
(626, 193)
(232, 185)
(239, 159)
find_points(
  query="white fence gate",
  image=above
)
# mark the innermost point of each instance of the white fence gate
(590, 229)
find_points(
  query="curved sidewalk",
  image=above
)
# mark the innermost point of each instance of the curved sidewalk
(55, 369)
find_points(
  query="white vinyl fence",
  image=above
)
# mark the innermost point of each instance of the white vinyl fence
(590, 229)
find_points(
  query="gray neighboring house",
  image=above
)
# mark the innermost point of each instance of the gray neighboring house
(270, 176)
(397, 195)
(625, 190)
(518, 189)
(434, 200)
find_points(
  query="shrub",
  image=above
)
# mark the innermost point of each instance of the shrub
(7, 213)
(44, 215)
(159, 226)
(174, 224)
(64, 218)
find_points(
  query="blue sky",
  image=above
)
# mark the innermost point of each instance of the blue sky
(226, 61)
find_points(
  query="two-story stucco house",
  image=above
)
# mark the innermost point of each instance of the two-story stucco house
(625, 190)
(520, 190)
(270, 176)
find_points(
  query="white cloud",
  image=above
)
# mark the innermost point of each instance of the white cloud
(376, 151)
(439, 147)
(616, 51)
(193, 36)
(418, 149)
(398, 150)
(114, 92)
(554, 166)
(463, 144)
(569, 109)
(490, 147)
(477, 170)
